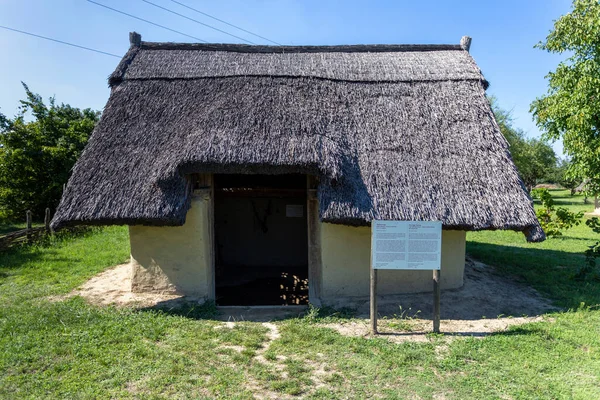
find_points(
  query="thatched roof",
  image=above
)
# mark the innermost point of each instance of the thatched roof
(393, 131)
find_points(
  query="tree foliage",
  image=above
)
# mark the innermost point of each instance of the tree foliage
(571, 108)
(535, 159)
(37, 155)
(562, 176)
(553, 219)
(589, 270)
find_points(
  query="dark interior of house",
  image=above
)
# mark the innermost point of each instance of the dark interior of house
(261, 243)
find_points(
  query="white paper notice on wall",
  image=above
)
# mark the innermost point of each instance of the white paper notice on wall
(294, 210)
(413, 245)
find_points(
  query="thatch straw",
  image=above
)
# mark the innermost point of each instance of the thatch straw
(400, 133)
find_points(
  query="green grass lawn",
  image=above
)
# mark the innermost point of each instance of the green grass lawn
(7, 227)
(70, 349)
(548, 265)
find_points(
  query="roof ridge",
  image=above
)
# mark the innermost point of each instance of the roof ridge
(246, 48)
(374, 81)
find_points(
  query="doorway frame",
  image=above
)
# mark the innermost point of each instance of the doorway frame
(205, 184)
(314, 241)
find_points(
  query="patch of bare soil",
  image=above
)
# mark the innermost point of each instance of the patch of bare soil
(258, 390)
(417, 330)
(113, 286)
(272, 335)
(486, 303)
(322, 371)
(484, 295)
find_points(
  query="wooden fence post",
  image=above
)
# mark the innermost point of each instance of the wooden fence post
(28, 215)
(47, 220)
(373, 298)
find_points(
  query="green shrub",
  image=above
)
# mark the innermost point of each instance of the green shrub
(589, 270)
(555, 219)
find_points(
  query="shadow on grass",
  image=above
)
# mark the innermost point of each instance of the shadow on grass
(21, 255)
(193, 309)
(44, 249)
(442, 333)
(570, 201)
(8, 227)
(528, 329)
(18, 258)
(564, 237)
(183, 307)
(551, 272)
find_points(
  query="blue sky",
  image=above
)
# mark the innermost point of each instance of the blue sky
(503, 32)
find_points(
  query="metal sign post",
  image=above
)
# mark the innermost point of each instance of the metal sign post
(406, 245)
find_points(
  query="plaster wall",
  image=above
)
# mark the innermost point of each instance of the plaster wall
(180, 260)
(174, 259)
(346, 253)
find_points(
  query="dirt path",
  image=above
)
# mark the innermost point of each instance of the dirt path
(258, 390)
(486, 303)
(272, 335)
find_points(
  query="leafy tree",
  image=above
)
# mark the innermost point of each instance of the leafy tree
(561, 176)
(571, 108)
(535, 159)
(36, 156)
(555, 219)
(540, 162)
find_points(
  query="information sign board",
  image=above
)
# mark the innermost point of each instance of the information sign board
(412, 245)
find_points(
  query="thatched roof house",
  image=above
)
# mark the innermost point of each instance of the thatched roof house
(394, 132)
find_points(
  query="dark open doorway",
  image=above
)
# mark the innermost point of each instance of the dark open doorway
(261, 240)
